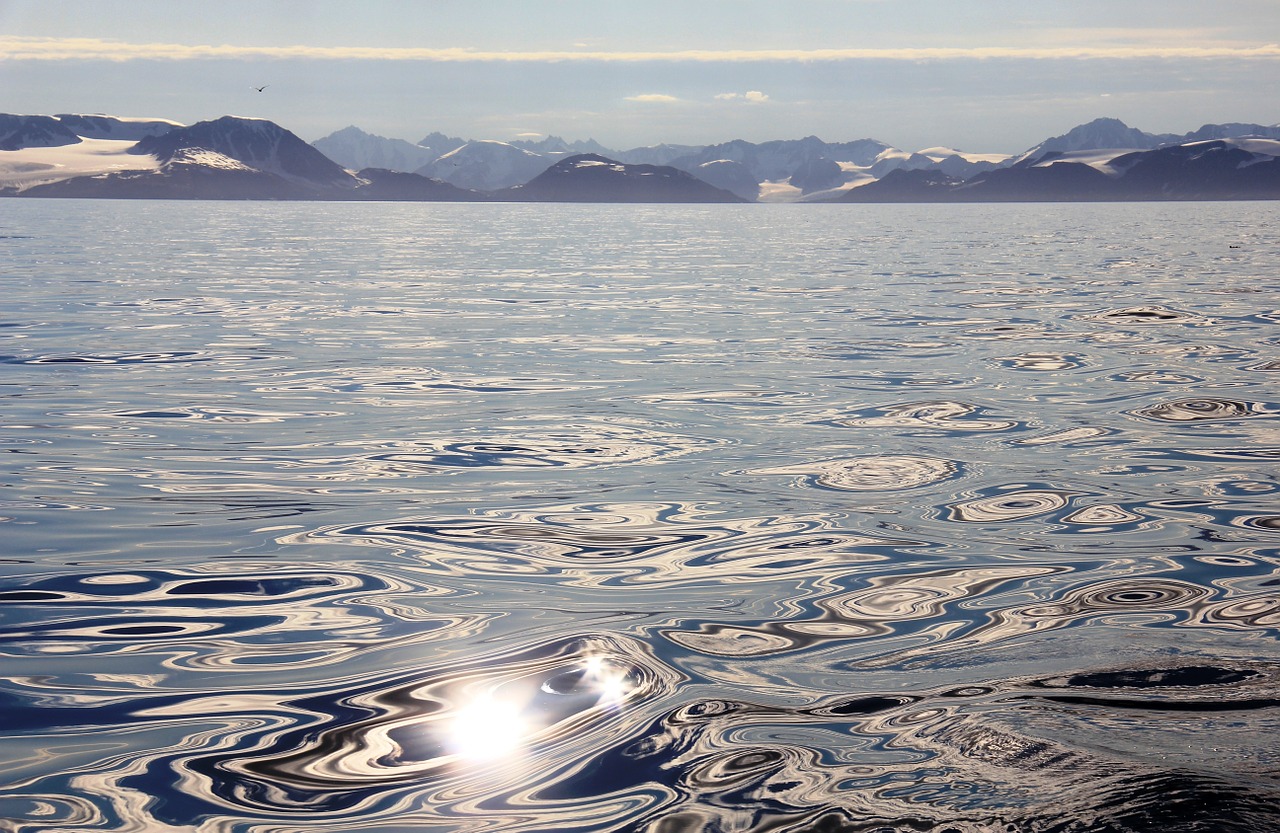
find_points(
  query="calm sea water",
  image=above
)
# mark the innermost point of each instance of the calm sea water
(380, 517)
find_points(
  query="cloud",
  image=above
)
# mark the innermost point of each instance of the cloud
(653, 98)
(94, 49)
(750, 96)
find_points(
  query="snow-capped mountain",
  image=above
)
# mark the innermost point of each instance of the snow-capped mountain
(1113, 134)
(590, 177)
(354, 149)
(1233, 130)
(778, 160)
(98, 126)
(246, 158)
(1099, 134)
(1221, 169)
(488, 166)
(227, 158)
(440, 144)
(21, 132)
(38, 150)
(258, 144)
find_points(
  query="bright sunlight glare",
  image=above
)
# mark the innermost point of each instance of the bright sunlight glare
(487, 729)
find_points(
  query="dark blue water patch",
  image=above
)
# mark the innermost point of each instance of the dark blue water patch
(869, 705)
(1186, 676)
(574, 543)
(100, 632)
(156, 414)
(35, 713)
(1264, 454)
(156, 588)
(30, 596)
(177, 357)
(1199, 706)
(143, 630)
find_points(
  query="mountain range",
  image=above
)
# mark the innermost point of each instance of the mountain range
(74, 155)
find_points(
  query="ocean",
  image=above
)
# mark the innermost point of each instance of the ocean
(497, 517)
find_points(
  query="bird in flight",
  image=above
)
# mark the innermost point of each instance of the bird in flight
(263, 87)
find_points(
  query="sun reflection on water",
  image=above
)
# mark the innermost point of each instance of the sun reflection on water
(502, 722)
(488, 729)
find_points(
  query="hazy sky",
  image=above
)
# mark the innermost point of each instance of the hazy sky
(978, 75)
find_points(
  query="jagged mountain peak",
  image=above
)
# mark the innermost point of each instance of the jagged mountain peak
(487, 165)
(356, 149)
(1100, 134)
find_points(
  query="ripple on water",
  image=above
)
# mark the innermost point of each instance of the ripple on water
(573, 446)
(880, 472)
(938, 415)
(737, 398)
(174, 357)
(227, 415)
(1015, 504)
(1043, 362)
(414, 381)
(225, 617)
(608, 545)
(951, 759)
(1204, 409)
(1146, 315)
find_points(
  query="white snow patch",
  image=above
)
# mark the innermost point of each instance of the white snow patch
(779, 191)
(1264, 147)
(34, 166)
(830, 193)
(1099, 159)
(939, 153)
(209, 159)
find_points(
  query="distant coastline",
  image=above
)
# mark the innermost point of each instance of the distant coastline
(238, 158)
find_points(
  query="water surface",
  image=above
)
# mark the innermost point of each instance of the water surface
(413, 517)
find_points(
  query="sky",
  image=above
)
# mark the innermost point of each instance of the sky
(987, 76)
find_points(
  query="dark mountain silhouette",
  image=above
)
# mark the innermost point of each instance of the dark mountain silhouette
(382, 184)
(905, 185)
(1226, 169)
(733, 177)
(18, 132)
(592, 178)
(257, 143)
